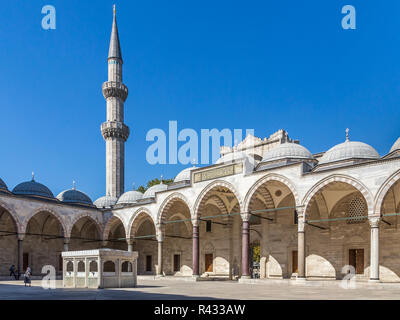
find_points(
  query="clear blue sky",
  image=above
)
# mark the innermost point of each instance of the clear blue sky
(264, 65)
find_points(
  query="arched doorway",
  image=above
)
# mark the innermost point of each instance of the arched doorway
(43, 242)
(8, 242)
(273, 226)
(338, 233)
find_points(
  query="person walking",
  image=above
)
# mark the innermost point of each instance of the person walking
(12, 272)
(27, 276)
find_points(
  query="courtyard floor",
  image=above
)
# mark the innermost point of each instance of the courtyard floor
(150, 289)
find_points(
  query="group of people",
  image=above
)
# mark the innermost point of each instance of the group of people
(27, 274)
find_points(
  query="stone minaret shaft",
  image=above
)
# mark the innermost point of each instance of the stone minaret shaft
(114, 131)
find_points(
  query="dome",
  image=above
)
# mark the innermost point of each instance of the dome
(249, 162)
(74, 196)
(395, 146)
(130, 197)
(230, 157)
(151, 192)
(184, 175)
(33, 188)
(349, 150)
(105, 202)
(3, 186)
(287, 150)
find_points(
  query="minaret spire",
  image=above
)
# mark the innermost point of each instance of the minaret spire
(115, 48)
(114, 130)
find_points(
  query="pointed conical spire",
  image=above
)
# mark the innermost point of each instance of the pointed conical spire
(115, 48)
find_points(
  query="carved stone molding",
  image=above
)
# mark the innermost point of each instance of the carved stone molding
(114, 129)
(115, 89)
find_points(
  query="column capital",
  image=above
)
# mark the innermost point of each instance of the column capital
(245, 216)
(159, 233)
(66, 240)
(301, 224)
(21, 236)
(374, 221)
(301, 212)
(129, 241)
(195, 222)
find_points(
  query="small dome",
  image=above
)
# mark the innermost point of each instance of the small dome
(249, 162)
(105, 202)
(349, 150)
(287, 150)
(3, 186)
(130, 197)
(74, 196)
(33, 188)
(396, 145)
(151, 192)
(184, 175)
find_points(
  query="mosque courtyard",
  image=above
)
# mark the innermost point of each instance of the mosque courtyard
(150, 289)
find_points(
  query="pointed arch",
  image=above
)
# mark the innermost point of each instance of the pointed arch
(383, 190)
(169, 201)
(271, 177)
(139, 214)
(110, 223)
(50, 211)
(82, 216)
(14, 216)
(211, 186)
(320, 185)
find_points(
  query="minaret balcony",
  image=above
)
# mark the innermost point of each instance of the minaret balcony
(115, 89)
(114, 129)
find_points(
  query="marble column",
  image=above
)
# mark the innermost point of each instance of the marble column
(20, 255)
(196, 248)
(374, 263)
(160, 240)
(130, 245)
(66, 244)
(245, 247)
(301, 240)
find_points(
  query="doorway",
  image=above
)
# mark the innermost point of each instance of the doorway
(177, 262)
(295, 268)
(356, 259)
(208, 262)
(25, 261)
(148, 263)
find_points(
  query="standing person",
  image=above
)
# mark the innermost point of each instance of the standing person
(12, 272)
(27, 276)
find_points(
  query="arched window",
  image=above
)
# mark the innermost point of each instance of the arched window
(81, 266)
(126, 266)
(70, 266)
(93, 266)
(109, 266)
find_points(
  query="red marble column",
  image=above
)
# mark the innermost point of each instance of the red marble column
(196, 251)
(245, 249)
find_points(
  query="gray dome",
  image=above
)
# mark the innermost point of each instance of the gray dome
(130, 197)
(230, 157)
(105, 202)
(3, 186)
(151, 192)
(287, 150)
(74, 196)
(396, 145)
(184, 175)
(33, 188)
(349, 150)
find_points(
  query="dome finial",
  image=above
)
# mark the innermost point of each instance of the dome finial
(33, 176)
(347, 134)
(161, 179)
(194, 162)
(73, 185)
(114, 9)
(133, 186)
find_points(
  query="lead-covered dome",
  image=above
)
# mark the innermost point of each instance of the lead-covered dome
(287, 150)
(130, 197)
(105, 202)
(151, 192)
(184, 175)
(3, 186)
(33, 188)
(395, 146)
(74, 196)
(349, 150)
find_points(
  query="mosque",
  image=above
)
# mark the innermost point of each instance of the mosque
(267, 205)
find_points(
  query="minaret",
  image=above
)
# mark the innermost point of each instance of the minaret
(114, 131)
